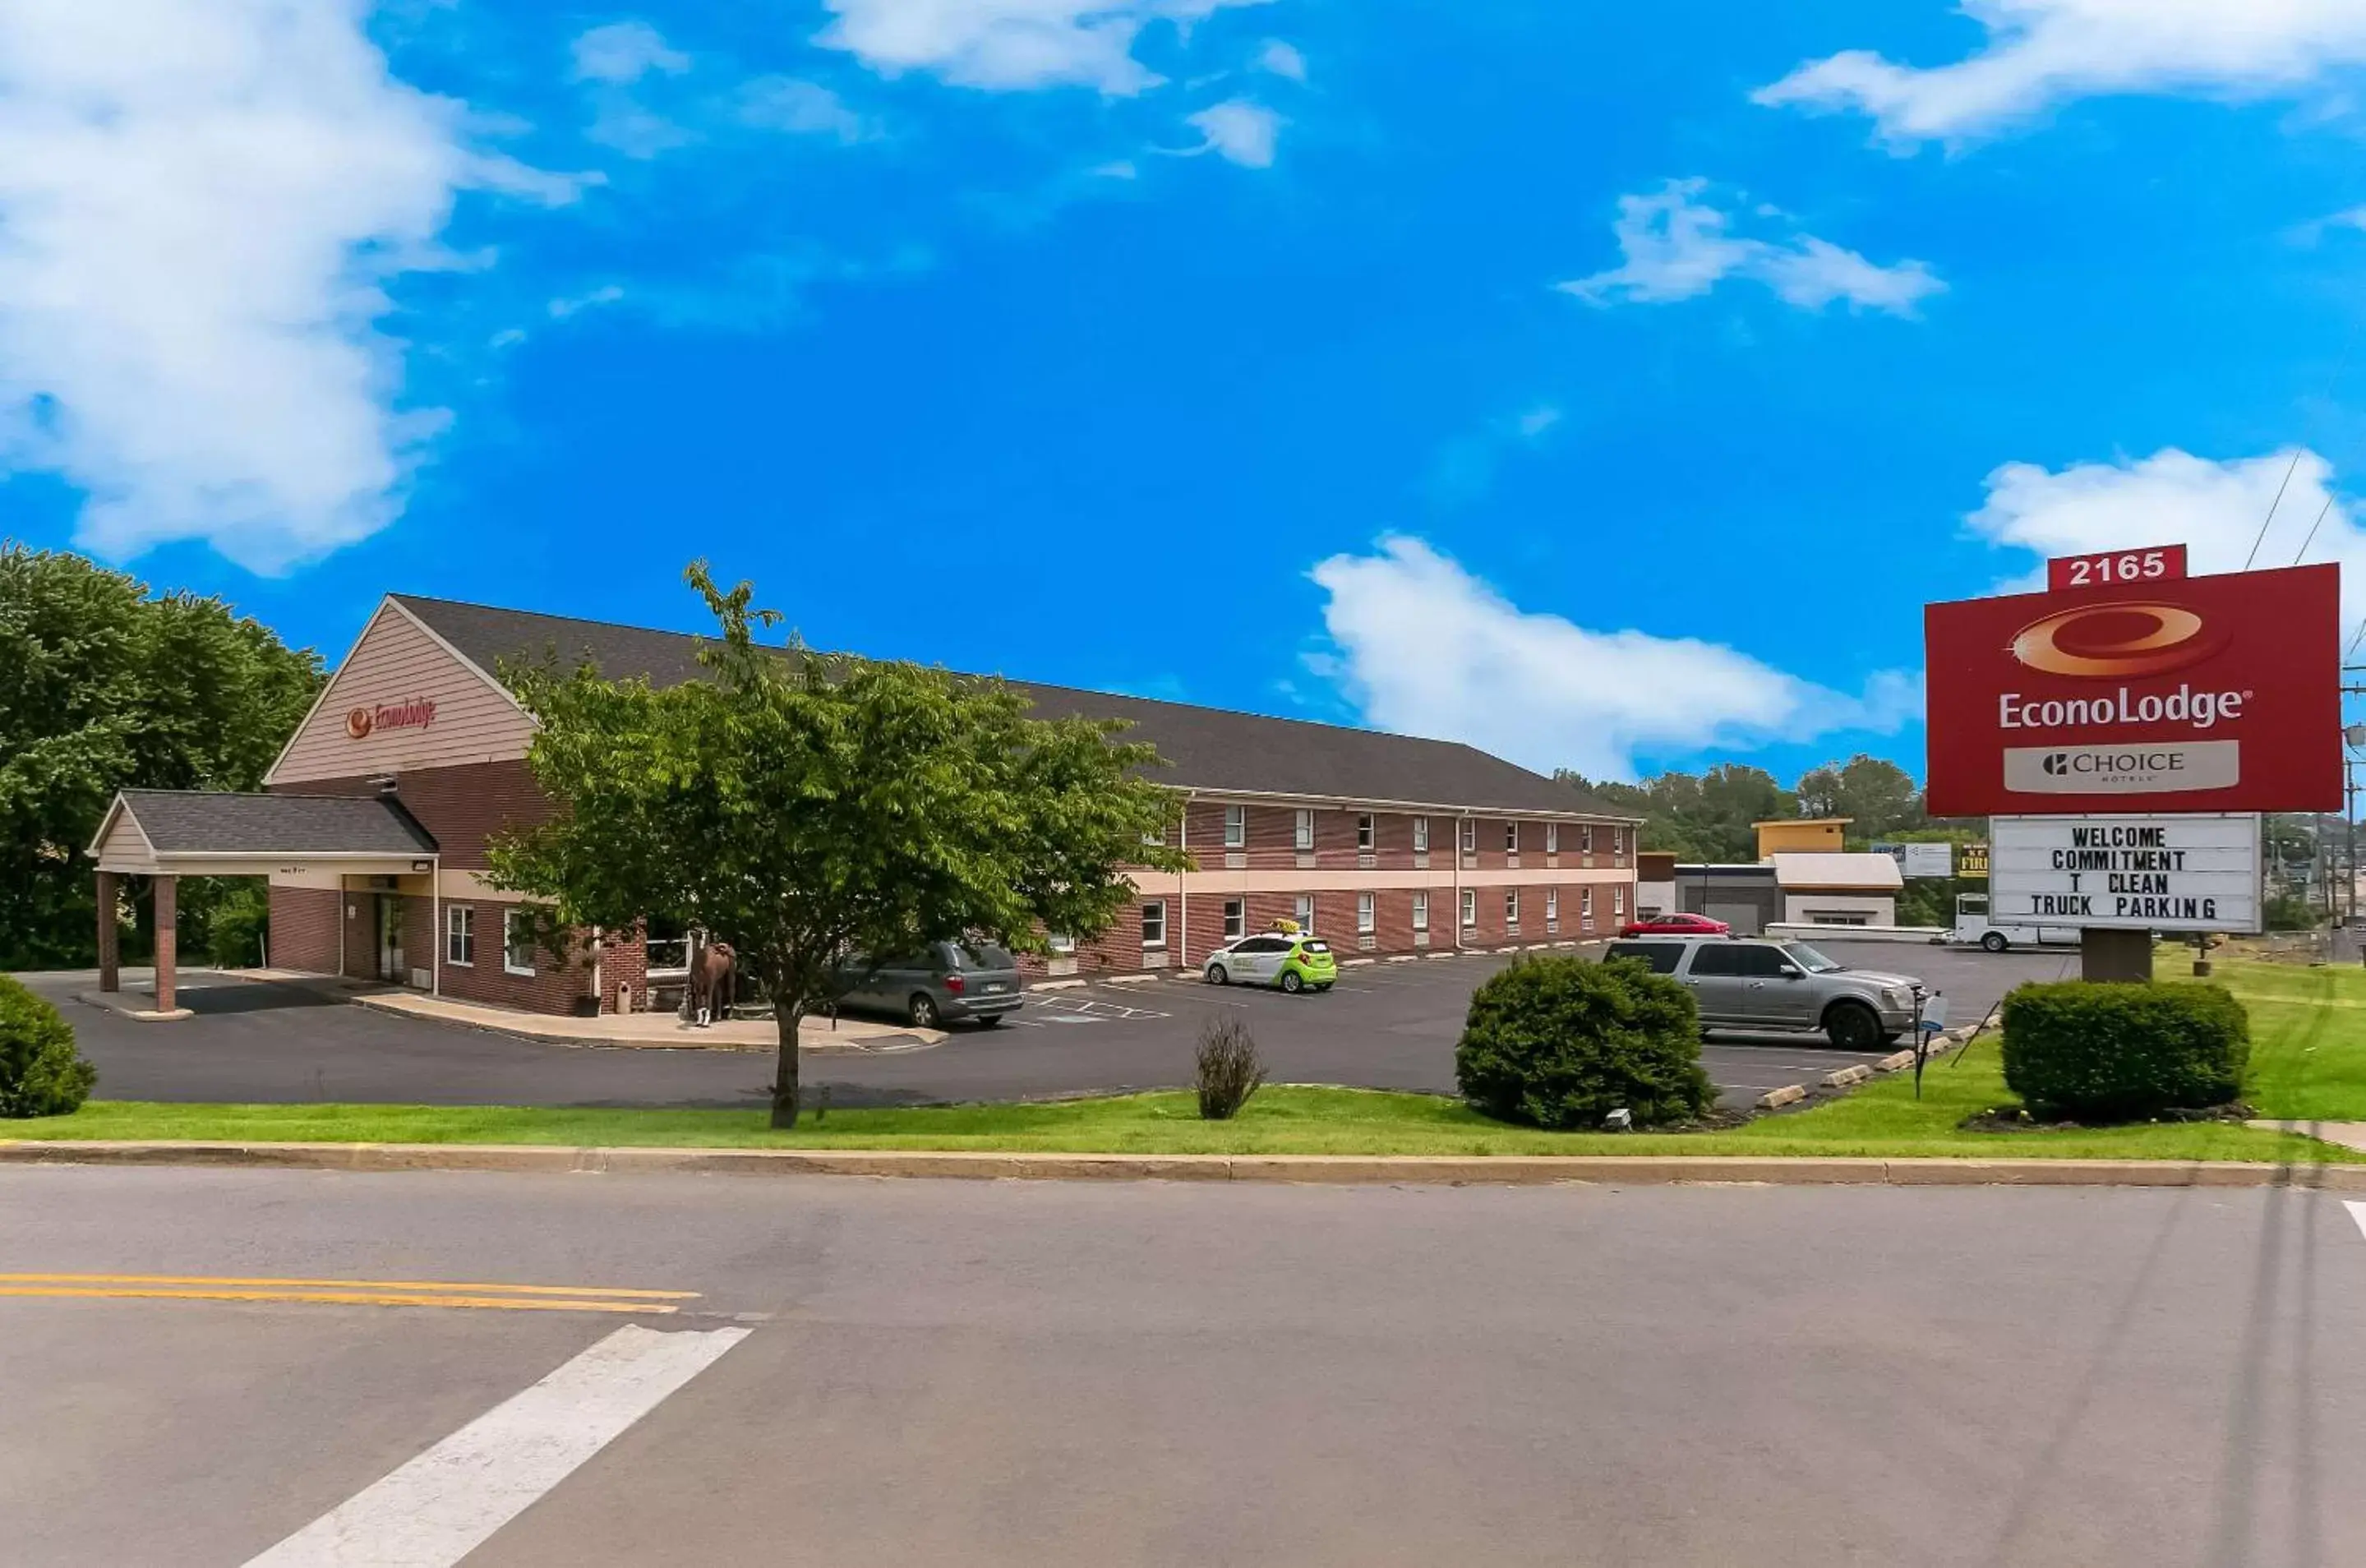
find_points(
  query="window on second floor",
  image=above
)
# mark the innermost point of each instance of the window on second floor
(1364, 833)
(1304, 835)
(1236, 826)
(1421, 835)
(1511, 838)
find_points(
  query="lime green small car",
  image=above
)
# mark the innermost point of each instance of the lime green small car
(1287, 959)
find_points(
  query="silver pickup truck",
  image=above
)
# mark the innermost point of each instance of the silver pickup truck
(1743, 984)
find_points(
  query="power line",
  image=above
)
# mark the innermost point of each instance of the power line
(2279, 500)
(2314, 526)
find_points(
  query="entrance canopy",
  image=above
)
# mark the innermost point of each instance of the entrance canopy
(165, 835)
(160, 833)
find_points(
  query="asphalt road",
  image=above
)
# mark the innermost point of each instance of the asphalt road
(1384, 1026)
(1047, 1374)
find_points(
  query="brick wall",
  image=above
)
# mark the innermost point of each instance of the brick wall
(462, 806)
(556, 983)
(304, 928)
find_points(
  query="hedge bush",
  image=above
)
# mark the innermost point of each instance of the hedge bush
(2115, 1052)
(1561, 1042)
(41, 1074)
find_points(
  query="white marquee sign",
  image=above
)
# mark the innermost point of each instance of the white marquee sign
(2194, 873)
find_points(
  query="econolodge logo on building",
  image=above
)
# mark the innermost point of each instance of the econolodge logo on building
(413, 713)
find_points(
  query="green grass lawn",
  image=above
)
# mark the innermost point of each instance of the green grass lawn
(2308, 1061)
(2308, 1034)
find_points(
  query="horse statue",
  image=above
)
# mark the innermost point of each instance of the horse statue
(714, 972)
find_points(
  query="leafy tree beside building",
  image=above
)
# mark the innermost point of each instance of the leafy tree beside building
(105, 685)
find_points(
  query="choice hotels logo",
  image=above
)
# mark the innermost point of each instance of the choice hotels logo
(2106, 642)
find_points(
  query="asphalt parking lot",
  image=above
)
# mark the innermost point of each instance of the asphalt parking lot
(1387, 1025)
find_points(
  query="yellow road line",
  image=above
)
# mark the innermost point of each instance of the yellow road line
(403, 1285)
(332, 1298)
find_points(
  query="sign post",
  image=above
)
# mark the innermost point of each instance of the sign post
(2125, 729)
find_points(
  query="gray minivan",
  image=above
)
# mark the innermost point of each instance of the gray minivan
(950, 981)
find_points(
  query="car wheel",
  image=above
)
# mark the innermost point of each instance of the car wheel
(1216, 975)
(1291, 982)
(1851, 1026)
(1994, 942)
(922, 1011)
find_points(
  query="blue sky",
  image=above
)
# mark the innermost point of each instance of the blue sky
(1605, 386)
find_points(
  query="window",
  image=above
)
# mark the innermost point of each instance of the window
(1364, 833)
(1154, 923)
(1585, 903)
(1421, 835)
(1421, 910)
(1062, 942)
(1470, 836)
(1618, 900)
(1470, 907)
(1750, 960)
(1236, 917)
(1510, 905)
(1364, 921)
(1236, 825)
(1618, 840)
(460, 935)
(1552, 838)
(1552, 904)
(517, 941)
(1304, 838)
(1663, 956)
(1306, 912)
(1156, 836)
(1586, 839)
(1511, 838)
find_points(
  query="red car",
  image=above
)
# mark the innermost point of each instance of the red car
(1677, 925)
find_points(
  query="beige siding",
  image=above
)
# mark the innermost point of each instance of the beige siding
(396, 662)
(125, 848)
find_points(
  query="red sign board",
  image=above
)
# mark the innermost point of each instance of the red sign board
(417, 713)
(2208, 694)
(2120, 568)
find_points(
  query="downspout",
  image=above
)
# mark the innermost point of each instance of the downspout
(1183, 881)
(435, 924)
(1458, 927)
(340, 925)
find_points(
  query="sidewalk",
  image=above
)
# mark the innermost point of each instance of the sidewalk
(643, 1029)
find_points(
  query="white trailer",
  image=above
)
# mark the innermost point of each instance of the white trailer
(1972, 927)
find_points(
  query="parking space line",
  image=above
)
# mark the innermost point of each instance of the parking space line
(403, 1285)
(438, 1507)
(467, 1295)
(2357, 1211)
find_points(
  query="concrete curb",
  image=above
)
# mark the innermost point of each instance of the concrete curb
(1635, 1170)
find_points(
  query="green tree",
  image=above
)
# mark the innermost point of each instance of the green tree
(802, 808)
(105, 686)
(1705, 817)
(1879, 797)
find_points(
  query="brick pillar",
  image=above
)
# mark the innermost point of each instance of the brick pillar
(109, 935)
(167, 943)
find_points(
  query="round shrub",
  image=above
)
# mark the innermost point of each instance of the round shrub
(40, 1072)
(2098, 1052)
(1562, 1042)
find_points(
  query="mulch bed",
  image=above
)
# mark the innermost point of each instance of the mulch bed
(2013, 1119)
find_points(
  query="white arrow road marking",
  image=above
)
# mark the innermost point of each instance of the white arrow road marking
(442, 1506)
(2357, 1211)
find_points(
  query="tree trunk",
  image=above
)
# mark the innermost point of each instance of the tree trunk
(787, 1016)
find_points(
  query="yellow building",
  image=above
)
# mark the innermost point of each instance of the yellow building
(1800, 835)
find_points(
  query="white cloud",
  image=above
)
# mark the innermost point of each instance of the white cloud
(2214, 509)
(1009, 44)
(1239, 131)
(1677, 245)
(1538, 419)
(201, 204)
(1116, 169)
(1281, 59)
(1423, 648)
(623, 52)
(800, 108)
(2042, 52)
(566, 305)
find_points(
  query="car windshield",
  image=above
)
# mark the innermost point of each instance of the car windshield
(984, 956)
(1807, 958)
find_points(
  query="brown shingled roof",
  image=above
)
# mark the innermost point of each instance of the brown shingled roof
(1209, 749)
